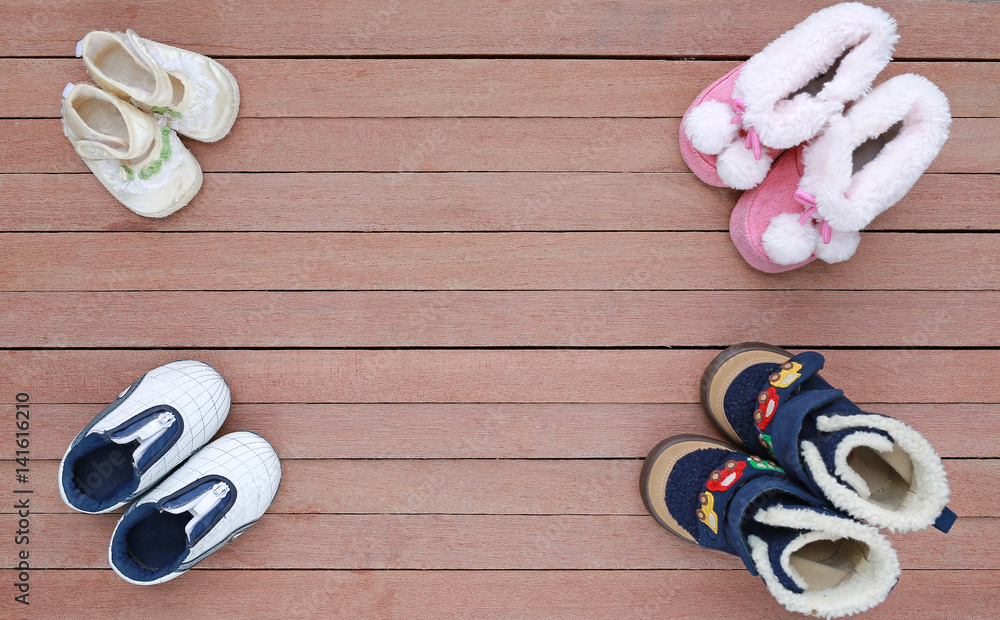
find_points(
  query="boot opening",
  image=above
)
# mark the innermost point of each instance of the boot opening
(100, 474)
(157, 541)
(869, 149)
(825, 564)
(889, 475)
(813, 86)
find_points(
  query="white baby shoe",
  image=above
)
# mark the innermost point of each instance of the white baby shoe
(194, 94)
(156, 423)
(136, 156)
(215, 496)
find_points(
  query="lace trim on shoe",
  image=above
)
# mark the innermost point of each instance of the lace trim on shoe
(203, 92)
(155, 175)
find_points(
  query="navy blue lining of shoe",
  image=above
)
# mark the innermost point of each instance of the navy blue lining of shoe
(150, 543)
(99, 473)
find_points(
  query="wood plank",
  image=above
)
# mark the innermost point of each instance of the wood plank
(475, 261)
(471, 202)
(546, 595)
(336, 202)
(492, 431)
(486, 375)
(448, 486)
(718, 28)
(447, 144)
(497, 319)
(327, 87)
(475, 542)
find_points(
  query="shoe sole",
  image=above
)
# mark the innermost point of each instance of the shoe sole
(656, 469)
(724, 369)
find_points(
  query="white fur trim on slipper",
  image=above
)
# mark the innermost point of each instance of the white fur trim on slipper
(709, 127)
(850, 200)
(738, 168)
(787, 242)
(808, 51)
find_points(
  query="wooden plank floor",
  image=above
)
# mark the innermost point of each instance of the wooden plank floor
(453, 266)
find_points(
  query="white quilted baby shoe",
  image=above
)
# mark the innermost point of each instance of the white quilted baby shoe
(137, 157)
(210, 500)
(194, 94)
(151, 427)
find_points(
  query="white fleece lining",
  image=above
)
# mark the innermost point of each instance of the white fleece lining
(929, 490)
(804, 53)
(856, 440)
(793, 546)
(850, 201)
(873, 581)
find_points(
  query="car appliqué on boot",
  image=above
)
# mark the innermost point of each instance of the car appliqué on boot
(723, 479)
(768, 400)
(787, 376)
(705, 512)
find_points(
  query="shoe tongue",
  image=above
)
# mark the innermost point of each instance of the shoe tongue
(203, 502)
(145, 431)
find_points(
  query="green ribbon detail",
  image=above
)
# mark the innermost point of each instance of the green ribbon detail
(156, 166)
(167, 112)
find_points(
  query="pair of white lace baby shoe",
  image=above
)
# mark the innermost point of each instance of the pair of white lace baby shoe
(821, 152)
(162, 420)
(127, 132)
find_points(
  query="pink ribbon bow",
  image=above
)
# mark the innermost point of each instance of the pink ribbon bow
(808, 201)
(753, 140)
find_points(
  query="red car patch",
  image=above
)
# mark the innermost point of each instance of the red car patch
(768, 403)
(723, 479)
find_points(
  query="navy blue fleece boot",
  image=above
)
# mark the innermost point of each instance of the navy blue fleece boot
(872, 467)
(812, 559)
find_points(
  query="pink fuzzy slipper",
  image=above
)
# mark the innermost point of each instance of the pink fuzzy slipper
(818, 197)
(785, 94)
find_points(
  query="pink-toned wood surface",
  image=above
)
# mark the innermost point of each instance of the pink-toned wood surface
(448, 145)
(479, 487)
(557, 594)
(453, 266)
(502, 431)
(478, 87)
(466, 202)
(475, 261)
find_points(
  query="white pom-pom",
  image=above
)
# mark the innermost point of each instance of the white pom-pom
(738, 169)
(841, 247)
(709, 127)
(787, 242)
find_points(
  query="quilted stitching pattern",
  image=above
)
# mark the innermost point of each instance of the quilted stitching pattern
(247, 460)
(196, 390)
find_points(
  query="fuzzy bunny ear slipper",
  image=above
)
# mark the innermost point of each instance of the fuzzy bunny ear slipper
(818, 197)
(812, 559)
(785, 94)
